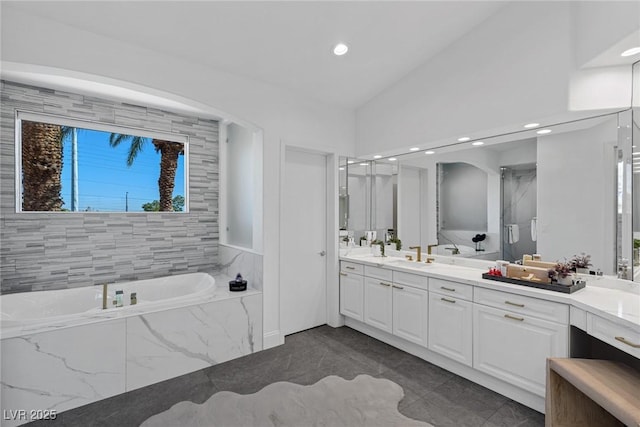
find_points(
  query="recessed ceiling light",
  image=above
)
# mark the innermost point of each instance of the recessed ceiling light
(543, 131)
(364, 164)
(429, 152)
(350, 162)
(340, 49)
(341, 169)
(531, 125)
(392, 159)
(631, 52)
(476, 143)
(414, 149)
(464, 139)
(377, 156)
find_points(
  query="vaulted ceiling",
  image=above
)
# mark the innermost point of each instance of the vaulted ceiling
(284, 43)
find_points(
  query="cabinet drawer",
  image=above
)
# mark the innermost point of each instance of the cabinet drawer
(351, 267)
(542, 309)
(447, 287)
(621, 337)
(409, 279)
(377, 272)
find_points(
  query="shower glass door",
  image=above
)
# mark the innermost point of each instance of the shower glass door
(518, 213)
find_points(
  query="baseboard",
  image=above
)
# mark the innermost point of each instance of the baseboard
(272, 339)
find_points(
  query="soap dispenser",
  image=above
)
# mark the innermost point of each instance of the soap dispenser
(239, 284)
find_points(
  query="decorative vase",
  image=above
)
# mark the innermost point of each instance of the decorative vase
(566, 281)
(376, 250)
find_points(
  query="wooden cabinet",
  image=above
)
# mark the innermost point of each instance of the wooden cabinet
(451, 327)
(410, 313)
(514, 347)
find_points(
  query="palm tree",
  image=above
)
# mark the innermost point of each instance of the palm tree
(169, 152)
(42, 165)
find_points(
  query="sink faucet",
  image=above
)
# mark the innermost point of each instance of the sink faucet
(429, 248)
(419, 250)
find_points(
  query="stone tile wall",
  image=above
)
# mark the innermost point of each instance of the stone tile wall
(60, 250)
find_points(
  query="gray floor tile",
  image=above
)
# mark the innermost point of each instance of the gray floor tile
(432, 394)
(512, 414)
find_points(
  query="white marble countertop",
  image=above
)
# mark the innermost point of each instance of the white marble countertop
(608, 297)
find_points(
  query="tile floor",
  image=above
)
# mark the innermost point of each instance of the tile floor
(431, 393)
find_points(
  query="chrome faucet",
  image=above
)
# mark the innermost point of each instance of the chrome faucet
(419, 250)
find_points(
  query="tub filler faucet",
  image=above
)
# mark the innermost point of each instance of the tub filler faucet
(104, 296)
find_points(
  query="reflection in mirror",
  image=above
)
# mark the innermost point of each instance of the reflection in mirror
(343, 195)
(384, 193)
(544, 194)
(359, 189)
(635, 135)
(72, 166)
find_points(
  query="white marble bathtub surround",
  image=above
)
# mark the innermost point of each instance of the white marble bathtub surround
(232, 261)
(167, 344)
(62, 369)
(463, 237)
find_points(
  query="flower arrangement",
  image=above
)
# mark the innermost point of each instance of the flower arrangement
(397, 242)
(580, 261)
(561, 270)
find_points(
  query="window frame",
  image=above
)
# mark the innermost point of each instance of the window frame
(21, 115)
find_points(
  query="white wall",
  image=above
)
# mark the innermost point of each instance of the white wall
(576, 195)
(282, 115)
(515, 68)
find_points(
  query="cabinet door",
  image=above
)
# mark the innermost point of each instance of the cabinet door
(451, 327)
(377, 303)
(515, 347)
(410, 308)
(351, 295)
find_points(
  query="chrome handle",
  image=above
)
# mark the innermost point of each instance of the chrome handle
(322, 253)
(398, 287)
(627, 342)
(343, 274)
(348, 267)
(514, 304)
(519, 319)
(447, 289)
(448, 300)
(385, 284)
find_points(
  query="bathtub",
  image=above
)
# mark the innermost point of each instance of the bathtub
(60, 350)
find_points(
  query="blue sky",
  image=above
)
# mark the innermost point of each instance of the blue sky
(104, 178)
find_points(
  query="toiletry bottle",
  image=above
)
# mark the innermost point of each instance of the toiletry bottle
(134, 298)
(119, 295)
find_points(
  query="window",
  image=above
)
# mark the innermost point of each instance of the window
(67, 165)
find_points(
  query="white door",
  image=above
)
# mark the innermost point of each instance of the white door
(303, 287)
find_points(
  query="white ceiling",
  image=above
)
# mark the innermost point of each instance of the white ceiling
(286, 44)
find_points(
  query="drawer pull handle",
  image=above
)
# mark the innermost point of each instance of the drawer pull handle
(514, 304)
(385, 284)
(519, 319)
(343, 274)
(627, 342)
(448, 300)
(398, 287)
(350, 268)
(447, 289)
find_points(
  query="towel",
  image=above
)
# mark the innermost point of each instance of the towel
(513, 233)
(534, 228)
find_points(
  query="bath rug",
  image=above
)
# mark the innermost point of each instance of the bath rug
(332, 401)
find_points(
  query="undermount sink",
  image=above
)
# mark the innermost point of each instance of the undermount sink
(407, 263)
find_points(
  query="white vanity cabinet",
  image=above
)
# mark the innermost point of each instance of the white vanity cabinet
(396, 305)
(451, 320)
(410, 308)
(513, 336)
(351, 290)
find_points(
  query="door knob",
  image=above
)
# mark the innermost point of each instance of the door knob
(322, 253)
